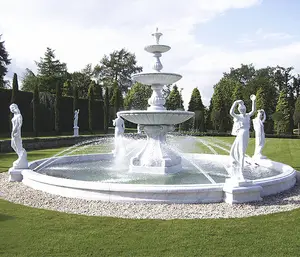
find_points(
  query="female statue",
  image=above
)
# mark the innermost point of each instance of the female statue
(258, 125)
(239, 146)
(119, 132)
(16, 140)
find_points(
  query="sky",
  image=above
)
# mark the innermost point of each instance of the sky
(207, 37)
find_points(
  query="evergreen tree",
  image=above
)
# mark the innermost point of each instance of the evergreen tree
(296, 115)
(67, 88)
(174, 100)
(137, 97)
(116, 100)
(196, 105)
(15, 89)
(117, 68)
(282, 114)
(35, 105)
(4, 62)
(75, 98)
(261, 99)
(106, 109)
(237, 92)
(58, 97)
(50, 71)
(91, 100)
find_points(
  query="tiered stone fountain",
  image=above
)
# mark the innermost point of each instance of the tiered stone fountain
(156, 121)
(204, 177)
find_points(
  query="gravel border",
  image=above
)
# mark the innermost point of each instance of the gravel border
(19, 193)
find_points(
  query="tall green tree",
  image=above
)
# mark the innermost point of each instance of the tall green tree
(196, 105)
(4, 62)
(35, 108)
(282, 114)
(75, 98)
(117, 67)
(221, 104)
(15, 89)
(237, 93)
(137, 97)
(243, 75)
(106, 109)
(91, 100)
(296, 115)
(29, 80)
(67, 88)
(174, 100)
(116, 100)
(58, 96)
(50, 71)
(82, 80)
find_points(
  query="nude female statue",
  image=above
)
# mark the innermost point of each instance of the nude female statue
(119, 132)
(239, 146)
(258, 125)
(16, 140)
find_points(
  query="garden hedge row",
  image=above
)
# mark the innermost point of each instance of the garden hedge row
(46, 113)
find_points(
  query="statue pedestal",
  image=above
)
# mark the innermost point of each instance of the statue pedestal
(241, 191)
(15, 175)
(76, 131)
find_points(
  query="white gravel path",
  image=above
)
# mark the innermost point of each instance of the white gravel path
(21, 194)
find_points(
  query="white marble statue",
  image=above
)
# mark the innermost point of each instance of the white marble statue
(75, 125)
(16, 140)
(241, 130)
(76, 113)
(258, 125)
(119, 132)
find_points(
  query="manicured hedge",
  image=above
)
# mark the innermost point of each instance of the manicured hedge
(46, 114)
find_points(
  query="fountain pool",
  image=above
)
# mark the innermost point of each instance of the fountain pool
(83, 172)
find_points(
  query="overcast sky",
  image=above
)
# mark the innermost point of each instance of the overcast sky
(207, 36)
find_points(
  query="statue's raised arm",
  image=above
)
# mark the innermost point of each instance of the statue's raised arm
(234, 105)
(253, 98)
(264, 117)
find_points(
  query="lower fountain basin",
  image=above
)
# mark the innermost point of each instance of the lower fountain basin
(190, 188)
(156, 117)
(153, 78)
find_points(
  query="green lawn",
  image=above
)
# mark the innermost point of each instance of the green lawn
(32, 232)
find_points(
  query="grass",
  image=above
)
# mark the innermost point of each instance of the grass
(33, 232)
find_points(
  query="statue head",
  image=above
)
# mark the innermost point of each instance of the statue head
(242, 108)
(260, 113)
(14, 108)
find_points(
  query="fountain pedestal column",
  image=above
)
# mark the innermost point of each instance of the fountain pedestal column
(156, 157)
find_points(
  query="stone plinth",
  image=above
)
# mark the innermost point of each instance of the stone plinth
(241, 191)
(76, 131)
(15, 175)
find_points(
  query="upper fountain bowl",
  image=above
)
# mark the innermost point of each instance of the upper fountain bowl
(157, 48)
(156, 117)
(160, 78)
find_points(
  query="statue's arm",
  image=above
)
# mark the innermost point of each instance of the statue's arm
(253, 107)
(231, 112)
(264, 118)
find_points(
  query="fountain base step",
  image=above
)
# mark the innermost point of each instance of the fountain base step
(241, 192)
(15, 175)
(156, 170)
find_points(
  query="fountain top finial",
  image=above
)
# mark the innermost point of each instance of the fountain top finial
(157, 35)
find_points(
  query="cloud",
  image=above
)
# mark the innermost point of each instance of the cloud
(83, 31)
